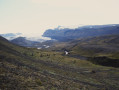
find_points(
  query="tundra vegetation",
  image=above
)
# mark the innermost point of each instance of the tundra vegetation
(85, 68)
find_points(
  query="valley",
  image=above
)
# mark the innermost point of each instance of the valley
(50, 69)
(90, 63)
(59, 45)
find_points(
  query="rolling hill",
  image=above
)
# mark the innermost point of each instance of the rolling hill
(11, 36)
(22, 41)
(28, 68)
(103, 47)
(101, 44)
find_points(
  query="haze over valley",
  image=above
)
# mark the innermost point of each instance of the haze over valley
(59, 45)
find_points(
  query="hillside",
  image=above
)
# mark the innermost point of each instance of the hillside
(11, 36)
(103, 47)
(101, 44)
(106, 48)
(24, 68)
(67, 34)
(22, 41)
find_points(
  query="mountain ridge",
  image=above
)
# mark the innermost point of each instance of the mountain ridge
(82, 32)
(22, 41)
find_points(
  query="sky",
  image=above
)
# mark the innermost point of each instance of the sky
(33, 17)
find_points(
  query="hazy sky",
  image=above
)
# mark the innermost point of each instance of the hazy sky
(35, 16)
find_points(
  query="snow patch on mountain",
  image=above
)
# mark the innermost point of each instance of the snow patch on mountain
(11, 36)
(69, 27)
(29, 36)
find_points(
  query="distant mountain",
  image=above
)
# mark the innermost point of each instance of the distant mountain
(11, 36)
(64, 34)
(22, 41)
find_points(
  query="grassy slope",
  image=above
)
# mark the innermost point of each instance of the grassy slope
(98, 46)
(23, 68)
(92, 46)
(102, 50)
